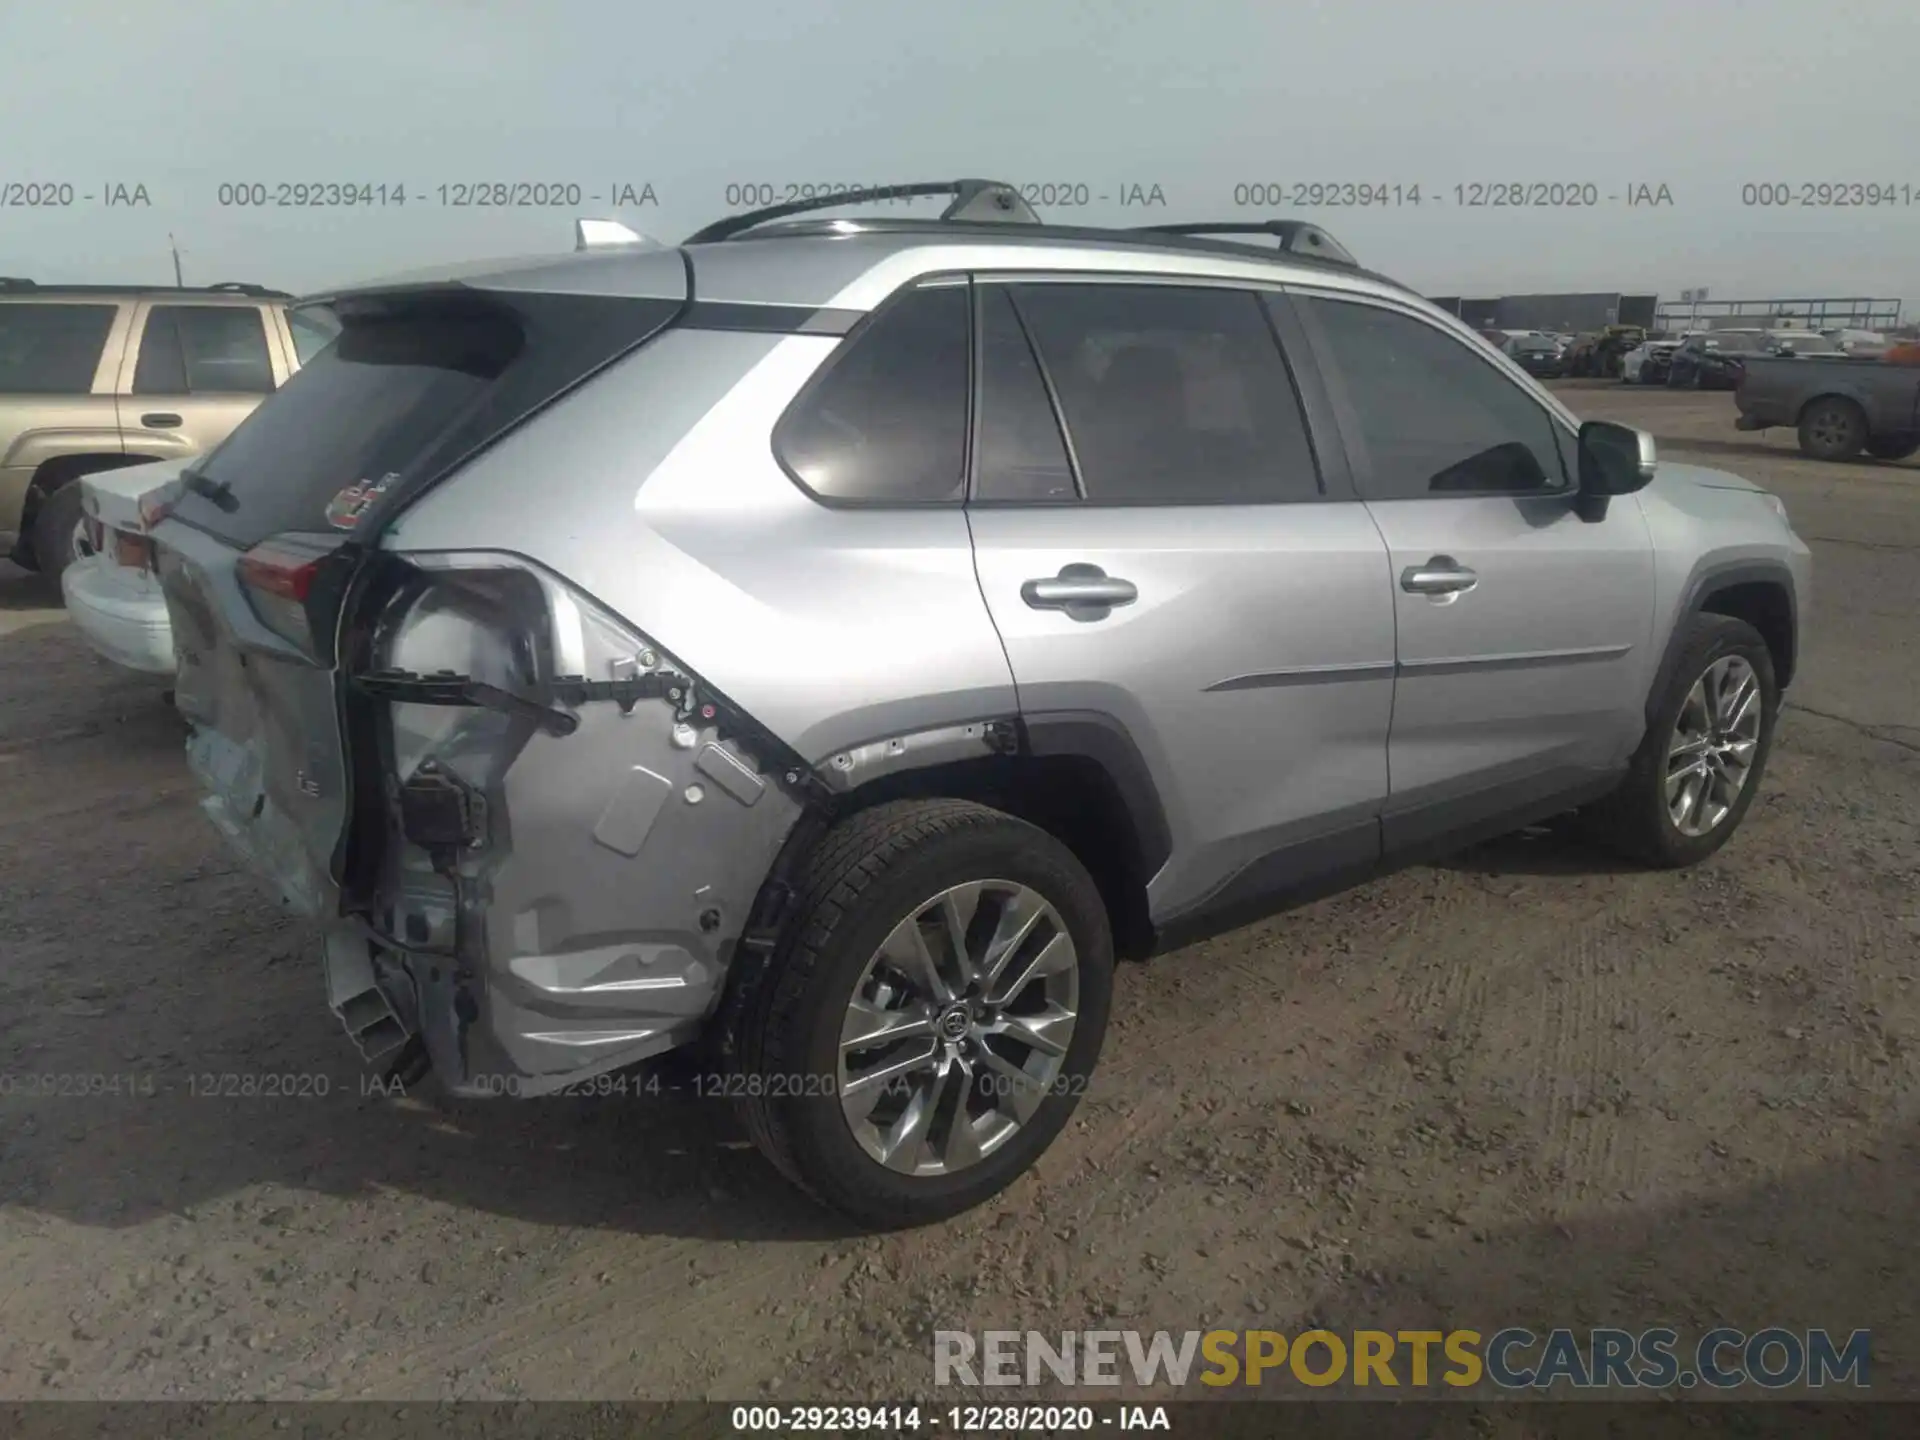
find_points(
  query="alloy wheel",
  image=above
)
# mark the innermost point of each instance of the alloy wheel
(1715, 739)
(958, 1027)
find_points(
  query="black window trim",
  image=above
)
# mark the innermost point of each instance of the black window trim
(1565, 428)
(138, 343)
(850, 340)
(1332, 486)
(977, 373)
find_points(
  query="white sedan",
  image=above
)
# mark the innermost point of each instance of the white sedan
(112, 591)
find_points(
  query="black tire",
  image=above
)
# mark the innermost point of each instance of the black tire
(53, 526)
(1832, 428)
(1634, 819)
(1892, 447)
(867, 874)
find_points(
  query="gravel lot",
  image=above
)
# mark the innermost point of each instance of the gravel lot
(1524, 1087)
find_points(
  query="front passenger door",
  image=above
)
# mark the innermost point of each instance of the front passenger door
(1523, 631)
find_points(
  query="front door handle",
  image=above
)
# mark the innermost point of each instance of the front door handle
(1442, 575)
(160, 420)
(1085, 592)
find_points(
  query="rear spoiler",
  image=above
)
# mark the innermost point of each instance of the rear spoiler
(609, 234)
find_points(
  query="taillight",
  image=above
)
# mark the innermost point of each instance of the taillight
(280, 576)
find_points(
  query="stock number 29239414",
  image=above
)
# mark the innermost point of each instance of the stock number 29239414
(308, 195)
(1332, 194)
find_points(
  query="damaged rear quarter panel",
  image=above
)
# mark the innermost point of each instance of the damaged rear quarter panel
(583, 911)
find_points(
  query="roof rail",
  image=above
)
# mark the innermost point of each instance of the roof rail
(16, 282)
(992, 200)
(241, 287)
(1296, 237)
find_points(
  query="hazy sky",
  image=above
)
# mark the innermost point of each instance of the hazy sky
(1194, 96)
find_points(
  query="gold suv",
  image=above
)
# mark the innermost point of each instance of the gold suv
(96, 377)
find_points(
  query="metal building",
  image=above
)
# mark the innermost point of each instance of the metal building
(1569, 313)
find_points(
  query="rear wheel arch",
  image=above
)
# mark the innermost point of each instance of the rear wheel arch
(1828, 397)
(1078, 775)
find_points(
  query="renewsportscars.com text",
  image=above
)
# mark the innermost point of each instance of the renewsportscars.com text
(1512, 1358)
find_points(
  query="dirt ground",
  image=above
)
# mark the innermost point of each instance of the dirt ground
(1528, 1086)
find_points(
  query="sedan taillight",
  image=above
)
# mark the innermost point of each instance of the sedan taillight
(135, 552)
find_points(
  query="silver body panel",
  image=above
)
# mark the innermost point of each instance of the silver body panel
(1255, 671)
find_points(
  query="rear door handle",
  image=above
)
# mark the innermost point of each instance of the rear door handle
(1442, 575)
(160, 420)
(1085, 592)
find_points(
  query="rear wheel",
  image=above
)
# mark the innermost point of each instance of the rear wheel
(1832, 428)
(1697, 769)
(1892, 447)
(56, 532)
(932, 1013)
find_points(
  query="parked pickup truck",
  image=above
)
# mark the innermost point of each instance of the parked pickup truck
(1840, 406)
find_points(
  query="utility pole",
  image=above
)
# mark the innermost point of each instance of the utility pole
(178, 283)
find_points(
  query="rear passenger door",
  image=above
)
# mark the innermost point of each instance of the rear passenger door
(1165, 560)
(193, 373)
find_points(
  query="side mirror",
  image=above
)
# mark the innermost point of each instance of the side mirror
(1614, 460)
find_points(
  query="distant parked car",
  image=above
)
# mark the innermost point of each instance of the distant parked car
(1647, 362)
(1601, 352)
(1713, 361)
(1869, 344)
(1538, 354)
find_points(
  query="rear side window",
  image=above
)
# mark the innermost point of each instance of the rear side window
(203, 350)
(1433, 417)
(52, 349)
(886, 420)
(1172, 395)
(313, 328)
(413, 385)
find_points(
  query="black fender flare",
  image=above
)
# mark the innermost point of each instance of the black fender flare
(1704, 583)
(1097, 736)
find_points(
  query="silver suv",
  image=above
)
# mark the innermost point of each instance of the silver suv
(826, 645)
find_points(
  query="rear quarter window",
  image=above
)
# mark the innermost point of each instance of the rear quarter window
(52, 349)
(885, 421)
